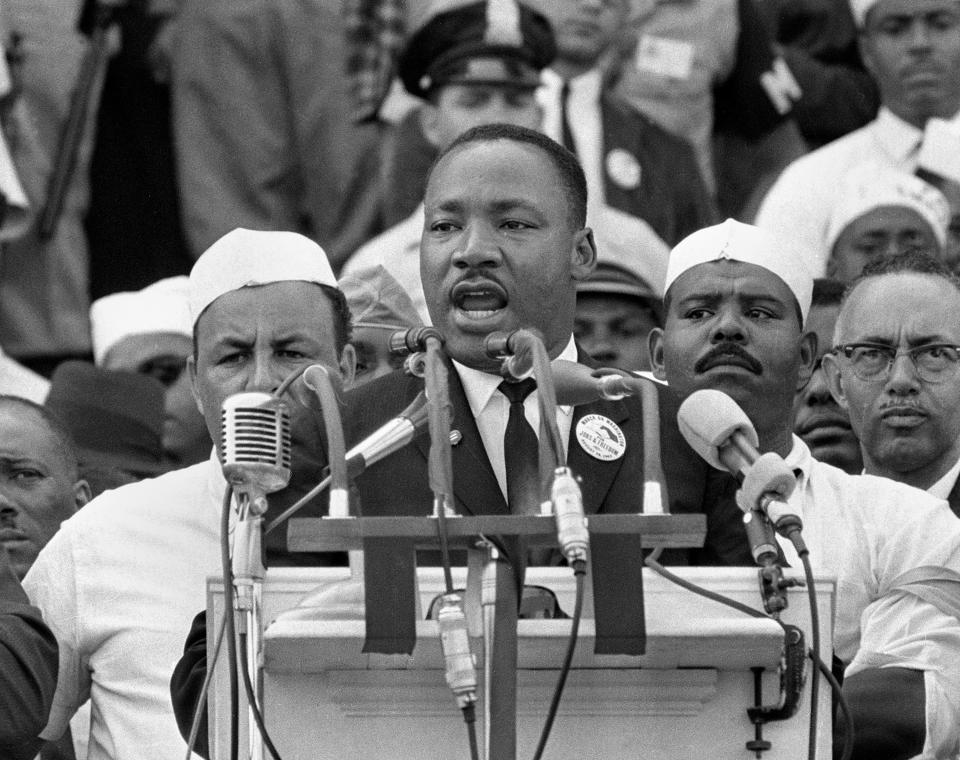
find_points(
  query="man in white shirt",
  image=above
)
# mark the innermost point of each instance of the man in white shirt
(736, 300)
(121, 581)
(912, 49)
(896, 369)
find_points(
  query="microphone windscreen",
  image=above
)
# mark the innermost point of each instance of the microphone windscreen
(708, 418)
(574, 383)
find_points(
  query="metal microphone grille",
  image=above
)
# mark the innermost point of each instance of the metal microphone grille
(255, 430)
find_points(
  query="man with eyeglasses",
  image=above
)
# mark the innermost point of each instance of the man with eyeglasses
(896, 370)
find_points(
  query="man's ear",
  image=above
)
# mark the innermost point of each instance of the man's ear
(808, 358)
(348, 365)
(584, 255)
(831, 370)
(192, 369)
(81, 493)
(655, 347)
(430, 123)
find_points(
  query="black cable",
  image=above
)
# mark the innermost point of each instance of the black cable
(651, 562)
(470, 718)
(848, 736)
(231, 628)
(252, 700)
(815, 624)
(579, 572)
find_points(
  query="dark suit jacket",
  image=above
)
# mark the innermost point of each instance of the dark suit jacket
(28, 669)
(398, 484)
(671, 196)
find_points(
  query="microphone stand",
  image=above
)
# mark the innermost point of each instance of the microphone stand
(248, 572)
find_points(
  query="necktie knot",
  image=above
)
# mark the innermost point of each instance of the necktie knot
(516, 393)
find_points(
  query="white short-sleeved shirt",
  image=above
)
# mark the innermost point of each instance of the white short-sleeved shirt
(868, 531)
(119, 585)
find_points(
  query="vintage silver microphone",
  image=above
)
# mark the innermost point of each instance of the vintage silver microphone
(255, 445)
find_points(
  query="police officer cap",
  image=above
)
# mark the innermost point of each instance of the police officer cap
(501, 42)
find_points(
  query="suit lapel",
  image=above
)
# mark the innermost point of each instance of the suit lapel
(474, 483)
(597, 475)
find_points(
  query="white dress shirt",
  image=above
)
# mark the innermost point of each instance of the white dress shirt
(491, 410)
(799, 204)
(868, 532)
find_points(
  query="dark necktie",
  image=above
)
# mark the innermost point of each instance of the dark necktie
(521, 452)
(567, 133)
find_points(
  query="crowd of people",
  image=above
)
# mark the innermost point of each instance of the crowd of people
(201, 197)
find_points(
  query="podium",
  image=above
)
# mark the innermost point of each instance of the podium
(685, 698)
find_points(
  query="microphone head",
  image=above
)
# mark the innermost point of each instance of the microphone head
(707, 419)
(255, 442)
(574, 383)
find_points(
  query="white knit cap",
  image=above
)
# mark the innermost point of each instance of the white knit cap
(870, 186)
(735, 241)
(244, 258)
(158, 308)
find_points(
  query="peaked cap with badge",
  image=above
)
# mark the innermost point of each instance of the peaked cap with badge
(499, 42)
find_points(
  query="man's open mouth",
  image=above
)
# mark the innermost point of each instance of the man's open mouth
(479, 300)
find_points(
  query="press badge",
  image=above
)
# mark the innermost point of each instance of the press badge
(666, 57)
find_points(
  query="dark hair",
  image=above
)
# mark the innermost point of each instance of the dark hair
(571, 174)
(916, 262)
(342, 319)
(65, 443)
(827, 292)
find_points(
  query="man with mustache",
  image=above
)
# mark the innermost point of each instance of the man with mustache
(896, 369)
(819, 421)
(736, 299)
(912, 49)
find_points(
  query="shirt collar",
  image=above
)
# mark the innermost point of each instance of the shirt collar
(897, 137)
(586, 86)
(800, 460)
(480, 386)
(942, 488)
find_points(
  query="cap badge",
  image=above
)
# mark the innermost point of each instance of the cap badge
(601, 437)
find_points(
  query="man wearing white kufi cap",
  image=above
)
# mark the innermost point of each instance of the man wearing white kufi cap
(912, 49)
(736, 299)
(883, 212)
(150, 331)
(121, 581)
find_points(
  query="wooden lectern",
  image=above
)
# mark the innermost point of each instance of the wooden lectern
(685, 697)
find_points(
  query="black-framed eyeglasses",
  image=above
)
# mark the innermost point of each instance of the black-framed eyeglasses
(933, 362)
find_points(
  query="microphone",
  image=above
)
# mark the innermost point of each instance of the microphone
(392, 436)
(722, 434)
(255, 443)
(413, 339)
(576, 384)
(514, 350)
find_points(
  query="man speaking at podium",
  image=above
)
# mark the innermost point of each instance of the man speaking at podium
(735, 303)
(504, 245)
